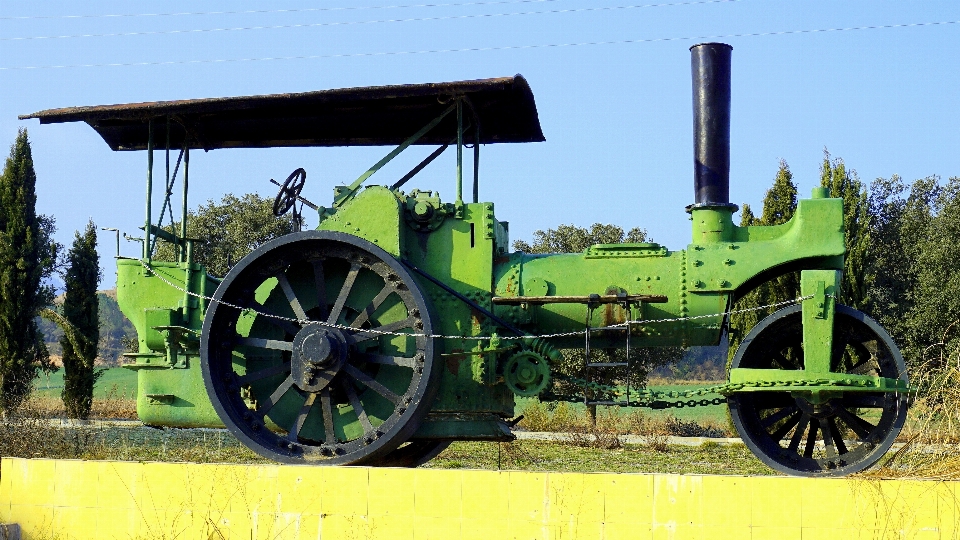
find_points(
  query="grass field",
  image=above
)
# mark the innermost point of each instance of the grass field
(119, 381)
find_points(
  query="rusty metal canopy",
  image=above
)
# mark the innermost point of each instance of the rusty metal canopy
(368, 116)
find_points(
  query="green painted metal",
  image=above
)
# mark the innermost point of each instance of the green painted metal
(465, 247)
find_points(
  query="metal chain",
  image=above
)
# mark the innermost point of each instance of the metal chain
(654, 399)
(472, 338)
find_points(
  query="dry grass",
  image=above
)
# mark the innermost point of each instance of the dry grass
(932, 435)
(115, 405)
(605, 433)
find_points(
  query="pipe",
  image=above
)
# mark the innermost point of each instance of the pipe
(710, 66)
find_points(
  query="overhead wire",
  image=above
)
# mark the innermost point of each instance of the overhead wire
(377, 21)
(492, 48)
(264, 11)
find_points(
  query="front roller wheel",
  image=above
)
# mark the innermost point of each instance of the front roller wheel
(327, 362)
(845, 434)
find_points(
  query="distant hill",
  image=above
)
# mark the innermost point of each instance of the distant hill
(114, 329)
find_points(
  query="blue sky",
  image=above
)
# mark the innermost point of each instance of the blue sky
(611, 80)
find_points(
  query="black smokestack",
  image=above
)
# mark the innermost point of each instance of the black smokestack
(710, 63)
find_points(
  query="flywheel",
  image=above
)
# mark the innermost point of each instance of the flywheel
(315, 350)
(838, 436)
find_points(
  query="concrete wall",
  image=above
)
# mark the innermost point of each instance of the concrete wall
(125, 500)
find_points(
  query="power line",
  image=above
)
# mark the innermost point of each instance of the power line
(349, 23)
(485, 49)
(261, 11)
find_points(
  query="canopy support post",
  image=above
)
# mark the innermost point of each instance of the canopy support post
(476, 161)
(146, 228)
(345, 194)
(183, 213)
(459, 202)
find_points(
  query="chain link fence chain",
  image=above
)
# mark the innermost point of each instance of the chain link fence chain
(472, 338)
(653, 399)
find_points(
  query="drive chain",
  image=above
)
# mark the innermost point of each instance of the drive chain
(656, 399)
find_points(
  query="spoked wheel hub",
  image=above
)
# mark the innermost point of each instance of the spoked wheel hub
(318, 355)
(832, 434)
(315, 350)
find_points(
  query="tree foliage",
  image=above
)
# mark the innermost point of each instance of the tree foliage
(27, 256)
(923, 291)
(228, 230)
(573, 239)
(845, 184)
(900, 216)
(81, 311)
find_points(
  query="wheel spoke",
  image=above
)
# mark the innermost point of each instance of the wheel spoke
(273, 344)
(828, 438)
(386, 360)
(293, 436)
(782, 431)
(364, 315)
(321, 284)
(371, 383)
(344, 293)
(268, 404)
(811, 440)
(859, 426)
(265, 314)
(291, 296)
(327, 407)
(357, 406)
(381, 330)
(837, 437)
(798, 433)
(777, 416)
(264, 373)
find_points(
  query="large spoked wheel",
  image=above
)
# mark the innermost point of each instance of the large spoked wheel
(843, 435)
(327, 362)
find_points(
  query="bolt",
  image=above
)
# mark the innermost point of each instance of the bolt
(727, 262)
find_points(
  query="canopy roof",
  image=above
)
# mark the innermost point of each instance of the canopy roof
(369, 116)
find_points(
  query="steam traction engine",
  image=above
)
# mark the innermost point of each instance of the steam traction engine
(403, 322)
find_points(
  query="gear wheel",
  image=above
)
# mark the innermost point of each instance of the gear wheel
(526, 373)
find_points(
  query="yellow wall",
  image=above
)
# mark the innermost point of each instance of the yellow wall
(105, 499)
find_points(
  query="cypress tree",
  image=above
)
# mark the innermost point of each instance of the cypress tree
(856, 223)
(81, 310)
(26, 257)
(779, 205)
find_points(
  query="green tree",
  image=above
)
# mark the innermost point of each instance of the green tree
(779, 205)
(845, 184)
(81, 310)
(900, 216)
(27, 256)
(228, 231)
(934, 311)
(574, 239)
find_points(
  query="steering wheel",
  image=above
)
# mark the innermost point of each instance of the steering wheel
(289, 192)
